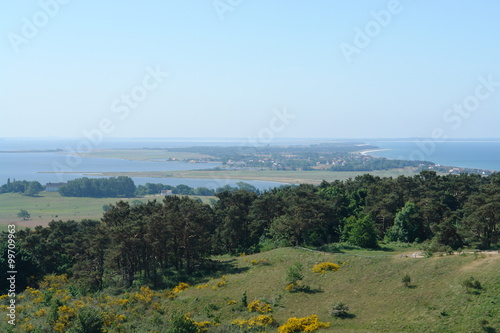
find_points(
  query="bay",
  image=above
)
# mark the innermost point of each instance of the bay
(483, 155)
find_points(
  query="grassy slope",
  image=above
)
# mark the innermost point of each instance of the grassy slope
(51, 205)
(371, 286)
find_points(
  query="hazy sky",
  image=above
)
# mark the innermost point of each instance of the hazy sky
(239, 68)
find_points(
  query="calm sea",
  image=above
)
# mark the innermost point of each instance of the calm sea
(45, 166)
(32, 166)
(467, 154)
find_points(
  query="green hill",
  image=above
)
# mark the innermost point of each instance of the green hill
(369, 283)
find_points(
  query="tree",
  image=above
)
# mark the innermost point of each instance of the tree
(406, 226)
(23, 213)
(361, 232)
(481, 225)
(307, 218)
(232, 211)
(247, 187)
(33, 189)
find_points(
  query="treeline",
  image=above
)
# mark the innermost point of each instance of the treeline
(99, 187)
(152, 189)
(116, 187)
(152, 242)
(369, 163)
(25, 187)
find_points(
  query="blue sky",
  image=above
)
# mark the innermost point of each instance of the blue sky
(233, 65)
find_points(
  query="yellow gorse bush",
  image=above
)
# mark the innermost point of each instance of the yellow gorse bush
(65, 316)
(180, 287)
(27, 327)
(257, 261)
(33, 292)
(305, 324)
(54, 281)
(40, 313)
(202, 326)
(257, 321)
(325, 267)
(145, 295)
(202, 286)
(111, 318)
(259, 306)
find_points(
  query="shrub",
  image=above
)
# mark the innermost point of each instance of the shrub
(295, 273)
(257, 321)
(181, 287)
(259, 306)
(181, 324)
(306, 324)
(88, 320)
(340, 310)
(406, 280)
(473, 284)
(244, 299)
(324, 267)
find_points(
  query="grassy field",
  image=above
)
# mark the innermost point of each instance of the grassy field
(290, 177)
(52, 206)
(371, 286)
(144, 154)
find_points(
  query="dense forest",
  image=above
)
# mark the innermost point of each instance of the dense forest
(99, 187)
(156, 240)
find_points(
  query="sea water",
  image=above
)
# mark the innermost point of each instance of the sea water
(483, 155)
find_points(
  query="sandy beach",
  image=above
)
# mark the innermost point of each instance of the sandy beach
(367, 152)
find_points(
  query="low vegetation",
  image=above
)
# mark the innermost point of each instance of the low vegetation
(186, 260)
(365, 294)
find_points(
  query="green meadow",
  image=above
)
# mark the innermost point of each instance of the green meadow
(50, 206)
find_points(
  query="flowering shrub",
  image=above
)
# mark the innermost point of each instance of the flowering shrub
(40, 313)
(257, 261)
(27, 327)
(257, 321)
(145, 295)
(156, 306)
(111, 318)
(305, 324)
(259, 306)
(202, 286)
(54, 281)
(181, 287)
(66, 315)
(324, 267)
(202, 326)
(168, 294)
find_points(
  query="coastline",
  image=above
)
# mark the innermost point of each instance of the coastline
(367, 152)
